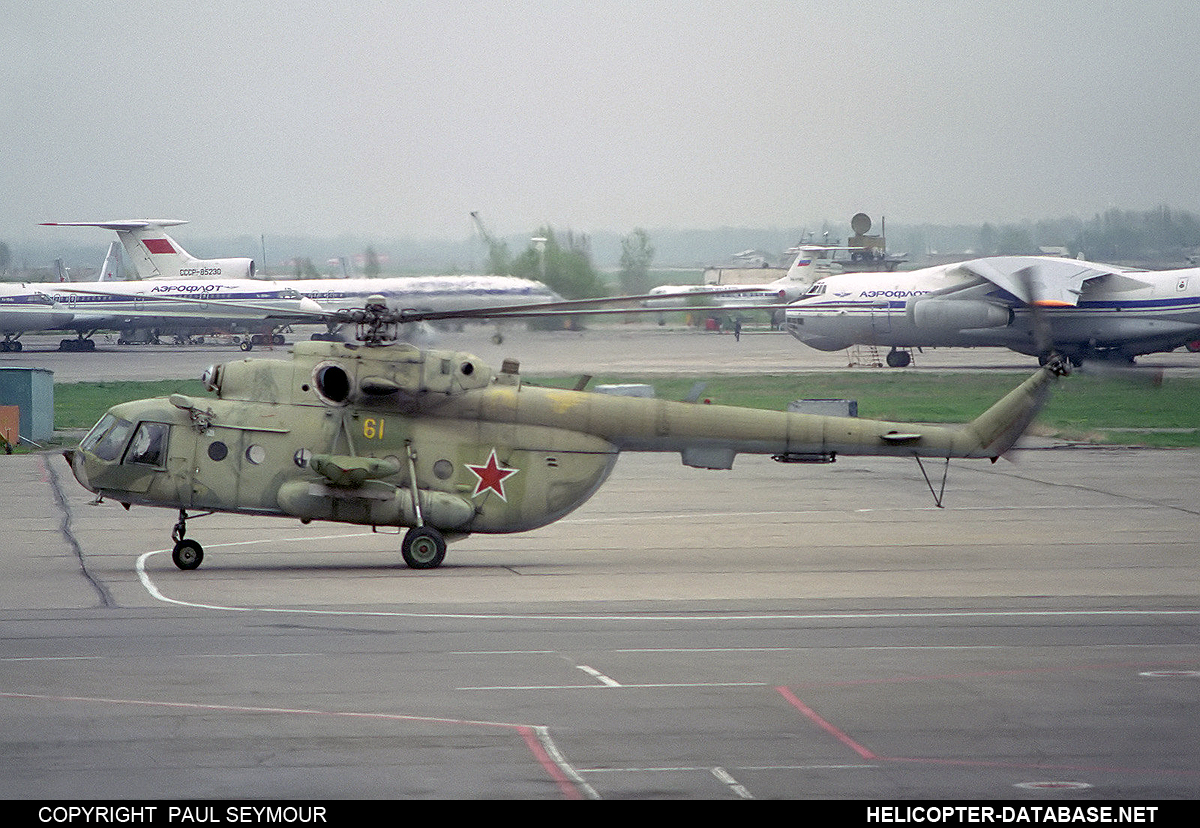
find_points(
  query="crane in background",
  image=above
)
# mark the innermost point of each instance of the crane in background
(499, 260)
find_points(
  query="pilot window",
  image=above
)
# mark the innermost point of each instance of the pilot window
(149, 444)
(817, 289)
(107, 437)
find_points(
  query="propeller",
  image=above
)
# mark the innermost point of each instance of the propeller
(1043, 336)
(1043, 331)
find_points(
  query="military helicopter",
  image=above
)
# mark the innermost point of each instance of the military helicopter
(380, 433)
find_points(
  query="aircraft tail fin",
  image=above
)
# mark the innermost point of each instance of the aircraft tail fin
(146, 243)
(802, 269)
(111, 269)
(61, 272)
(155, 255)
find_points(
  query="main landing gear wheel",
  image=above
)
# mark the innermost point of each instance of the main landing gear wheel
(187, 554)
(898, 359)
(423, 547)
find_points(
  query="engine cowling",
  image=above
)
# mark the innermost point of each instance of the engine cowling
(959, 314)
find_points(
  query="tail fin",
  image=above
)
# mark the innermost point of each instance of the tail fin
(802, 269)
(814, 261)
(155, 255)
(111, 269)
(800, 276)
(61, 272)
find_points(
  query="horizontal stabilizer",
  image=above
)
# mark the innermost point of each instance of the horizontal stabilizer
(123, 226)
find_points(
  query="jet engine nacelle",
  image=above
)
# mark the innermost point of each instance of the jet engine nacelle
(958, 314)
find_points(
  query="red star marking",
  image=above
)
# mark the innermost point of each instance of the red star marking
(491, 476)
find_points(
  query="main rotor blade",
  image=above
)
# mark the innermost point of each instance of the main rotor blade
(568, 307)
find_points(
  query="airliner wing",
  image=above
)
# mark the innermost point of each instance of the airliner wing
(1045, 281)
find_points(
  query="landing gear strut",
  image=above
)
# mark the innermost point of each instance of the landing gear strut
(423, 546)
(187, 554)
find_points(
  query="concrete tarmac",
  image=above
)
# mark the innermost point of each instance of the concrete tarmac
(774, 631)
(606, 348)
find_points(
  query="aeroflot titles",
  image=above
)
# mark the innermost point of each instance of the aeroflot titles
(191, 288)
(892, 294)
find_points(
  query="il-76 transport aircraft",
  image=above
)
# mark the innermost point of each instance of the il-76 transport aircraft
(1093, 311)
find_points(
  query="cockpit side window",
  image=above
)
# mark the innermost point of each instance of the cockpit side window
(107, 438)
(149, 445)
(817, 289)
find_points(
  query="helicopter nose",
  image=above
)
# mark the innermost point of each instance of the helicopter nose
(74, 458)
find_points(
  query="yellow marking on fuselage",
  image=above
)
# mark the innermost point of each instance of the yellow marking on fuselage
(562, 401)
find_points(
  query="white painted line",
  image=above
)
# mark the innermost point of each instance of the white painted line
(155, 592)
(556, 756)
(553, 760)
(614, 685)
(738, 789)
(598, 676)
(686, 769)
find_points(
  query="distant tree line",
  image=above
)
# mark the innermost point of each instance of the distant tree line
(564, 263)
(1158, 235)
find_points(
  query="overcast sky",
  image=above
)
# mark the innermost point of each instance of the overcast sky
(397, 119)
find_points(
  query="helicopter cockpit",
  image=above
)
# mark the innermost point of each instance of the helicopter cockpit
(107, 438)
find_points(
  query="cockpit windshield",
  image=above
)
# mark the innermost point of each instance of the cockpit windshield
(107, 438)
(816, 289)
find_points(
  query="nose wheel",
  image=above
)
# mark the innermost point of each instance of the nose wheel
(187, 553)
